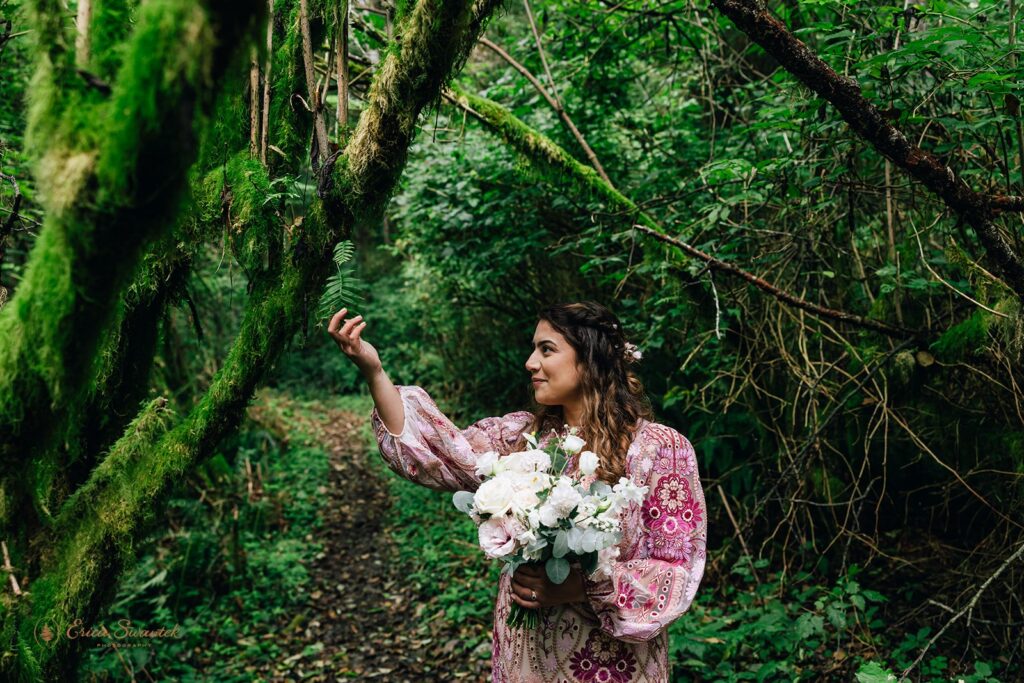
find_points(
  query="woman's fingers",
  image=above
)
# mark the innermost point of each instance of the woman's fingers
(336, 319)
(358, 330)
(346, 329)
(527, 584)
(524, 595)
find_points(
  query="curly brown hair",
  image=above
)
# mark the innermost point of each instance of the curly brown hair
(614, 400)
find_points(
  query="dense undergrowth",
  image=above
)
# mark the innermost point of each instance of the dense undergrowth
(231, 571)
(231, 568)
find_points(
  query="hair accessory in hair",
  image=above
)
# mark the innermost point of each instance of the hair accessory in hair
(632, 353)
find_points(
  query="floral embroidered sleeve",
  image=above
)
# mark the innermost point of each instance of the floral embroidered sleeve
(434, 452)
(656, 578)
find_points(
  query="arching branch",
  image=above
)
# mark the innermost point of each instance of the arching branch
(537, 147)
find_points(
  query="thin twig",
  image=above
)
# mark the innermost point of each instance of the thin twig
(319, 127)
(267, 65)
(782, 295)
(341, 114)
(966, 610)
(920, 249)
(254, 104)
(739, 534)
(83, 18)
(540, 49)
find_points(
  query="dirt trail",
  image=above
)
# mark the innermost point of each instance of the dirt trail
(362, 622)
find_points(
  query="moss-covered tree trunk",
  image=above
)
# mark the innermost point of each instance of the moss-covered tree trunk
(112, 161)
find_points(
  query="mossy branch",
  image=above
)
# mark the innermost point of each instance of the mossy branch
(95, 531)
(409, 77)
(539, 149)
(104, 204)
(95, 536)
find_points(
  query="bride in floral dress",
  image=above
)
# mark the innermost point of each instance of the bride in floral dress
(591, 630)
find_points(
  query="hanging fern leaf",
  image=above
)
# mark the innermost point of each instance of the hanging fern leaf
(343, 288)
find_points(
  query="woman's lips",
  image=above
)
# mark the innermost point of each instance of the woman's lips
(538, 381)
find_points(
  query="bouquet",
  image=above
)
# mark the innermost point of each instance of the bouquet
(529, 510)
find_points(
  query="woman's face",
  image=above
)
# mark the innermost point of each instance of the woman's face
(553, 362)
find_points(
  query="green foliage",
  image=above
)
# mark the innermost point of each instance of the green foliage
(697, 129)
(227, 580)
(342, 288)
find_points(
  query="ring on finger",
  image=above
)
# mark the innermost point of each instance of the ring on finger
(533, 595)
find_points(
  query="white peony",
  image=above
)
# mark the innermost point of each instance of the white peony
(572, 444)
(498, 536)
(527, 461)
(588, 463)
(564, 496)
(485, 464)
(494, 497)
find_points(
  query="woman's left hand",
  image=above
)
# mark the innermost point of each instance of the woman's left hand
(531, 587)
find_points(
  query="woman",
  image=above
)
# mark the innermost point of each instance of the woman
(609, 629)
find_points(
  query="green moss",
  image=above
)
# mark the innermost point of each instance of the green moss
(111, 23)
(965, 338)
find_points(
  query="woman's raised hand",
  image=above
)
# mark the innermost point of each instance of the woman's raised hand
(346, 334)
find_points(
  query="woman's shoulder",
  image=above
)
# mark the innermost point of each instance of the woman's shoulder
(655, 435)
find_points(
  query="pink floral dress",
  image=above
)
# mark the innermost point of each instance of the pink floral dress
(618, 635)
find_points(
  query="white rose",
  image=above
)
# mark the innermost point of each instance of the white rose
(494, 497)
(498, 536)
(588, 463)
(485, 464)
(524, 500)
(572, 444)
(527, 486)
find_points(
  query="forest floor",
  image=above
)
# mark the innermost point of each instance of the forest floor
(367, 620)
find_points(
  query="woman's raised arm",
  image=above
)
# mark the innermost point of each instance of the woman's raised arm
(416, 439)
(385, 396)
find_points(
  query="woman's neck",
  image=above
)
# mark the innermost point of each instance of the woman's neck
(571, 415)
